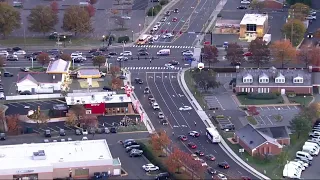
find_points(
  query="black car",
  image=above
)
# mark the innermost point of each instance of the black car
(78, 60)
(25, 93)
(62, 132)
(131, 143)
(173, 62)
(242, 7)
(199, 153)
(223, 165)
(16, 49)
(122, 77)
(2, 136)
(235, 63)
(113, 130)
(103, 49)
(93, 50)
(7, 74)
(142, 50)
(176, 10)
(211, 171)
(112, 53)
(138, 81)
(54, 52)
(144, 53)
(96, 175)
(97, 53)
(106, 88)
(161, 176)
(47, 133)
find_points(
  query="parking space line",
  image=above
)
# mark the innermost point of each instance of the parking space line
(261, 108)
(68, 127)
(44, 102)
(36, 131)
(32, 104)
(262, 120)
(42, 129)
(288, 107)
(295, 107)
(274, 108)
(52, 129)
(59, 127)
(11, 104)
(268, 108)
(36, 102)
(269, 119)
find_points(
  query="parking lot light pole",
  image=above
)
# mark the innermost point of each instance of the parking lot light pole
(103, 40)
(304, 101)
(64, 41)
(132, 36)
(139, 29)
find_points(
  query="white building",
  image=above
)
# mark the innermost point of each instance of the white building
(76, 159)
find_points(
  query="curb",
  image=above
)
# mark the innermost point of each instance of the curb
(223, 144)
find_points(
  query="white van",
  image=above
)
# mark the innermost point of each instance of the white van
(291, 171)
(298, 165)
(303, 155)
(314, 140)
(311, 144)
(164, 52)
(312, 150)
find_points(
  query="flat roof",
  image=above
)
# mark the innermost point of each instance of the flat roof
(88, 72)
(257, 19)
(98, 98)
(16, 159)
(39, 77)
(60, 66)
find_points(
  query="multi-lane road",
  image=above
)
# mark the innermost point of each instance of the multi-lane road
(165, 88)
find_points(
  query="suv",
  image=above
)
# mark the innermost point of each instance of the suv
(229, 127)
(164, 175)
(47, 133)
(135, 153)
(12, 58)
(7, 74)
(62, 132)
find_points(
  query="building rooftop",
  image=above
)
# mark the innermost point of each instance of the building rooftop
(43, 157)
(88, 72)
(257, 19)
(58, 66)
(98, 98)
(273, 73)
(277, 132)
(39, 77)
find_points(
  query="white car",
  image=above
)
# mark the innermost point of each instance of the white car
(150, 167)
(155, 37)
(122, 58)
(126, 53)
(155, 28)
(158, 24)
(193, 133)
(84, 138)
(203, 162)
(84, 132)
(311, 17)
(155, 106)
(169, 66)
(75, 55)
(126, 17)
(245, 2)
(188, 53)
(168, 35)
(4, 53)
(163, 19)
(185, 108)
(222, 177)
(20, 52)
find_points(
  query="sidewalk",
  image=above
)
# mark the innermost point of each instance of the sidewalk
(25, 119)
(207, 121)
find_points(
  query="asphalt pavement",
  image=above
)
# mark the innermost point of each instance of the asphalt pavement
(165, 88)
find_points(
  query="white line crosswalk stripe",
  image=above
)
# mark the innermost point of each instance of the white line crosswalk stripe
(162, 46)
(152, 68)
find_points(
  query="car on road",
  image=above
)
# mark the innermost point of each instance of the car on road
(160, 115)
(164, 122)
(122, 58)
(167, 36)
(187, 53)
(12, 58)
(126, 53)
(16, 48)
(174, 63)
(146, 90)
(221, 177)
(223, 165)
(170, 66)
(182, 137)
(4, 53)
(126, 17)
(62, 132)
(79, 59)
(242, 7)
(167, 13)
(112, 53)
(2, 136)
(143, 53)
(25, 69)
(185, 108)
(155, 106)
(150, 167)
(135, 153)
(138, 81)
(174, 19)
(176, 10)
(311, 17)
(203, 162)
(245, 178)
(7, 74)
(84, 132)
(199, 153)
(245, 2)
(212, 171)
(192, 145)
(20, 52)
(210, 157)
(194, 133)
(76, 54)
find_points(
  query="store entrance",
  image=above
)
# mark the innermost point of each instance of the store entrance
(25, 177)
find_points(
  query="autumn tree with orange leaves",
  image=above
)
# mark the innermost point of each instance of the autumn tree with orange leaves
(13, 124)
(116, 83)
(283, 52)
(309, 56)
(91, 10)
(159, 141)
(55, 7)
(194, 166)
(175, 160)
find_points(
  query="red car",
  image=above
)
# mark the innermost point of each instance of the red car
(183, 137)
(247, 54)
(174, 19)
(192, 145)
(245, 178)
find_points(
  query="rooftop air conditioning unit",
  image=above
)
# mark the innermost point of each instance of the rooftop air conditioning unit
(101, 157)
(61, 160)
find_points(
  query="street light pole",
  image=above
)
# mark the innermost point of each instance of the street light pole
(103, 40)
(64, 41)
(139, 29)
(132, 36)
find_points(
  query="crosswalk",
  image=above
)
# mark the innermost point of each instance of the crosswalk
(152, 68)
(163, 46)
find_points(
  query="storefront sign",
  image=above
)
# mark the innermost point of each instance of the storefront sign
(25, 171)
(95, 104)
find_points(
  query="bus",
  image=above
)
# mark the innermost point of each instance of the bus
(143, 39)
(213, 135)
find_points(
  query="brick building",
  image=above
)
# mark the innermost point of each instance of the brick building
(253, 26)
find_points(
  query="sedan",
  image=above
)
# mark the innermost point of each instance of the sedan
(12, 58)
(185, 108)
(210, 170)
(192, 145)
(150, 167)
(170, 66)
(176, 10)
(187, 50)
(199, 153)
(311, 17)
(122, 58)
(144, 53)
(126, 53)
(221, 176)
(25, 69)
(210, 157)
(155, 37)
(163, 19)
(126, 17)
(188, 53)
(174, 19)
(245, 2)
(242, 7)
(182, 137)
(20, 52)
(194, 133)
(174, 63)
(223, 165)
(16, 48)
(112, 53)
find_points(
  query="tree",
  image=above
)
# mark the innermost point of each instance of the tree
(66, 57)
(55, 7)
(76, 19)
(313, 111)
(309, 56)
(316, 34)
(282, 158)
(13, 124)
(118, 2)
(252, 110)
(98, 61)
(2, 61)
(175, 160)
(258, 5)
(115, 11)
(71, 119)
(42, 19)
(294, 29)
(93, 1)
(195, 166)
(116, 83)
(300, 125)
(206, 79)
(78, 110)
(43, 58)
(307, 2)
(10, 19)
(89, 120)
(235, 53)
(114, 70)
(159, 141)
(120, 22)
(283, 52)
(210, 54)
(299, 11)
(42, 119)
(260, 52)
(91, 10)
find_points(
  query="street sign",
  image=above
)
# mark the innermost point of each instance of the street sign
(241, 150)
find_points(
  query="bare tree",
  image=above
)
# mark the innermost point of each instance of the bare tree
(120, 22)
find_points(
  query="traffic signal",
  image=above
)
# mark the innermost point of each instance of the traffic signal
(180, 32)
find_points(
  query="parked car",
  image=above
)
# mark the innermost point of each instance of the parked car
(192, 145)
(138, 81)
(194, 133)
(210, 157)
(210, 170)
(199, 153)
(2, 136)
(25, 69)
(78, 132)
(164, 122)
(135, 153)
(62, 132)
(47, 133)
(185, 108)
(160, 115)
(12, 58)
(223, 165)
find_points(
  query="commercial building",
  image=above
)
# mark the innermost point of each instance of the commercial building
(253, 26)
(75, 159)
(298, 81)
(103, 103)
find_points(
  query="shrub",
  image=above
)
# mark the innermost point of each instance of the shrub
(155, 11)
(123, 39)
(147, 152)
(164, 2)
(229, 69)
(242, 93)
(265, 96)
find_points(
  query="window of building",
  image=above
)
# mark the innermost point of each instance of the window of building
(298, 80)
(81, 172)
(252, 27)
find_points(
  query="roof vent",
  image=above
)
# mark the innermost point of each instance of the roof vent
(39, 155)
(251, 142)
(101, 157)
(61, 160)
